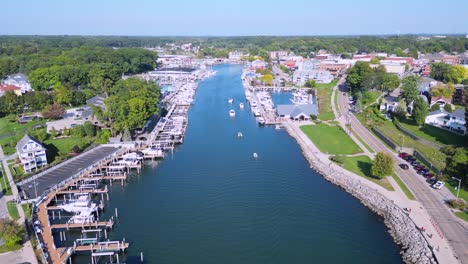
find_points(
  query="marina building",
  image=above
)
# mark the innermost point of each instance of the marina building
(300, 77)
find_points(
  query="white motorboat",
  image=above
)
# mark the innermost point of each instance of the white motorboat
(240, 135)
(230, 100)
(261, 120)
(81, 204)
(241, 105)
(255, 155)
(232, 113)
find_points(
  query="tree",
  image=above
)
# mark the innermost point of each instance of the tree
(420, 111)
(54, 111)
(310, 83)
(410, 88)
(440, 90)
(448, 108)
(267, 79)
(435, 107)
(457, 164)
(356, 76)
(10, 103)
(11, 233)
(63, 94)
(382, 165)
(90, 129)
(389, 83)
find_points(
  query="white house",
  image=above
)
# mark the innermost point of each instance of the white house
(31, 153)
(297, 111)
(20, 80)
(451, 121)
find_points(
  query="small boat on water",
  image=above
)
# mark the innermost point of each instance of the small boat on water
(277, 127)
(261, 120)
(232, 113)
(241, 105)
(240, 135)
(255, 155)
(230, 100)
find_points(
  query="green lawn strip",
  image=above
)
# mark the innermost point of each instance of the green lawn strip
(7, 127)
(4, 248)
(434, 134)
(364, 143)
(331, 139)
(324, 92)
(27, 208)
(462, 215)
(370, 97)
(361, 165)
(6, 190)
(388, 129)
(452, 184)
(12, 210)
(404, 188)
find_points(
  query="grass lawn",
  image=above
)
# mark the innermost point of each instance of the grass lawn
(387, 128)
(27, 208)
(4, 249)
(12, 210)
(60, 147)
(331, 139)
(361, 165)
(6, 190)
(434, 134)
(462, 215)
(7, 127)
(370, 97)
(404, 188)
(451, 185)
(324, 91)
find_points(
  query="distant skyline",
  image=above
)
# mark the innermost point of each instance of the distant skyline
(233, 18)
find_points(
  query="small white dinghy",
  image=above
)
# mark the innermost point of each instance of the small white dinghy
(255, 155)
(240, 135)
(230, 100)
(232, 113)
(241, 105)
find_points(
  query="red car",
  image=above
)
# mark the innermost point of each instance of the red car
(429, 175)
(403, 154)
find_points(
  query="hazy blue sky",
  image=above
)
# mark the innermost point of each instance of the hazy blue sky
(232, 17)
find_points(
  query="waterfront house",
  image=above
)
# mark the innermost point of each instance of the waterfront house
(31, 153)
(297, 111)
(454, 122)
(19, 80)
(8, 87)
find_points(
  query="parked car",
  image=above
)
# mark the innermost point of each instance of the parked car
(431, 181)
(404, 166)
(438, 185)
(429, 175)
(415, 163)
(419, 167)
(403, 154)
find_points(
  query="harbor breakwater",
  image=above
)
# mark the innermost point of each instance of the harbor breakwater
(414, 247)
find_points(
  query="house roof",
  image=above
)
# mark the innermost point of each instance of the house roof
(7, 87)
(24, 141)
(97, 101)
(438, 112)
(295, 110)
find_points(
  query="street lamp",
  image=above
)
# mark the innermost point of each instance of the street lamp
(459, 183)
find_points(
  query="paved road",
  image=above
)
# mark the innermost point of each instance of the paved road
(452, 228)
(59, 173)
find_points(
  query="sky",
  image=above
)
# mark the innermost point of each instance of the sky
(232, 17)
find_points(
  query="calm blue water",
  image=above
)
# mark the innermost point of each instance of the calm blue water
(211, 202)
(281, 97)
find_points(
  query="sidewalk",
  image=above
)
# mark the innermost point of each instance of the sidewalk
(26, 253)
(418, 214)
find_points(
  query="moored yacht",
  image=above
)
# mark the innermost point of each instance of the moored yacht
(232, 113)
(240, 135)
(241, 105)
(230, 100)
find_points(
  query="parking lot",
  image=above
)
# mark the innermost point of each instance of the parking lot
(65, 170)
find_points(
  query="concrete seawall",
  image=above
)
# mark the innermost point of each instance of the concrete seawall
(414, 247)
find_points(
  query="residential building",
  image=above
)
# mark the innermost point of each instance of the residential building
(236, 55)
(20, 80)
(8, 87)
(397, 69)
(274, 55)
(454, 122)
(258, 64)
(300, 77)
(310, 65)
(32, 153)
(400, 60)
(334, 67)
(362, 57)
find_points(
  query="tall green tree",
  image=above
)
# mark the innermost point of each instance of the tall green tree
(357, 76)
(382, 165)
(410, 88)
(420, 111)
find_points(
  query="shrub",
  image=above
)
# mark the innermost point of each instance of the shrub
(313, 117)
(338, 159)
(459, 204)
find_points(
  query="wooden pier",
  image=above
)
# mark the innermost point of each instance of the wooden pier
(104, 224)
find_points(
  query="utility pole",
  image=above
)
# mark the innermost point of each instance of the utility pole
(459, 184)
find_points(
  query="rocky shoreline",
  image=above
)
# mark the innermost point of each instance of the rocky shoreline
(414, 247)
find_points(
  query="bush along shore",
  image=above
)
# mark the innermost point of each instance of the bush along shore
(414, 247)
